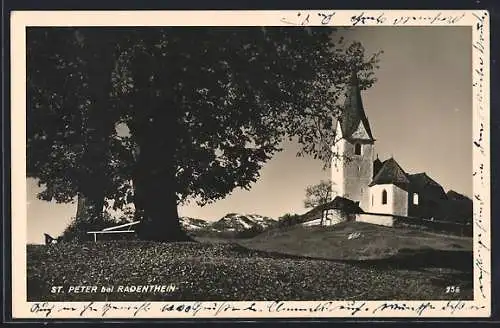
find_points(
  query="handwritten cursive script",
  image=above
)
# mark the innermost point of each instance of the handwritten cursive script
(303, 18)
(218, 309)
(479, 74)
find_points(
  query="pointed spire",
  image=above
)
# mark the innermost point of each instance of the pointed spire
(353, 116)
(377, 164)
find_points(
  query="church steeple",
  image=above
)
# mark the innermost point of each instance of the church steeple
(353, 120)
(355, 171)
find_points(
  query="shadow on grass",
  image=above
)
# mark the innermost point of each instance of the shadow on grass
(422, 258)
(405, 259)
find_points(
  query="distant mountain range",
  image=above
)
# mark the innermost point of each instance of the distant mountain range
(232, 222)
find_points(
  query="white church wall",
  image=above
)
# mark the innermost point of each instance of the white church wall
(359, 173)
(361, 170)
(311, 223)
(397, 204)
(331, 217)
(376, 219)
(350, 178)
(399, 201)
(376, 205)
(337, 169)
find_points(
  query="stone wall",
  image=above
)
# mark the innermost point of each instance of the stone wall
(376, 219)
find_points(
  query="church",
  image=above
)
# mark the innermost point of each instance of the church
(383, 190)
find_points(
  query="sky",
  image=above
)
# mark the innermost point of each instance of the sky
(420, 112)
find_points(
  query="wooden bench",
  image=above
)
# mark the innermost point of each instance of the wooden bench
(113, 229)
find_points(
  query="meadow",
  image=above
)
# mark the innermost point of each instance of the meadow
(352, 261)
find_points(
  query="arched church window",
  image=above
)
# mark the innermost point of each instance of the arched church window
(384, 196)
(357, 149)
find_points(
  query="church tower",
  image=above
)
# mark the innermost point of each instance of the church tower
(353, 171)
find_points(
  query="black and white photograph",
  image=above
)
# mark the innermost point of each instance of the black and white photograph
(231, 169)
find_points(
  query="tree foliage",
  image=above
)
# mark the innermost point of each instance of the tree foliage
(288, 220)
(205, 108)
(72, 147)
(318, 194)
(251, 232)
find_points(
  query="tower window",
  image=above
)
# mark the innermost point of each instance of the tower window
(357, 149)
(415, 199)
(372, 200)
(384, 196)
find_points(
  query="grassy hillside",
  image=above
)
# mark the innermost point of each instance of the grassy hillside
(373, 242)
(222, 271)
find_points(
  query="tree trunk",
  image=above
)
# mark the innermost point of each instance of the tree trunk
(98, 51)
(156, 203)
(100, 123)
(155, 131)
(92, 184)
(155, 197)
(161, 223)
(89, 208)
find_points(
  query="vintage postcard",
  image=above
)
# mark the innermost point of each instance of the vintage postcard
(250, 164)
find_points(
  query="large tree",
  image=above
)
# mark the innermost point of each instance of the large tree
(73, 149)
(206, 108)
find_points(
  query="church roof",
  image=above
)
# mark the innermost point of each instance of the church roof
(377, 165)
(453, 195)
(421, 180)
(353, 113)
(390, 173)
(423, 183)
(344, 204)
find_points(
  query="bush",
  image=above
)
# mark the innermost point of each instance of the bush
(77, 230)
(288, 220)
(251, 232)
